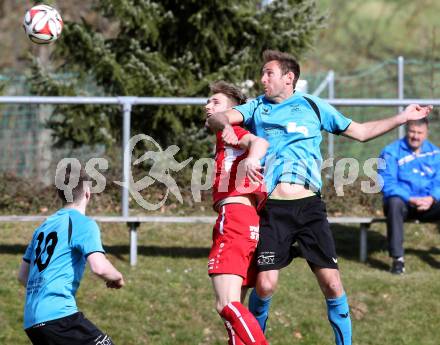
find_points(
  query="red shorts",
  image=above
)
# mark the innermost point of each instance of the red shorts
(235, 238)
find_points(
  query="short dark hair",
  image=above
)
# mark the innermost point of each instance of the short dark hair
(418, 122)
(286, 61)
(229, 90)
(78, 190)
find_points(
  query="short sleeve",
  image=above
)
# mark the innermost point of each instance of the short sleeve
(247, 110)
(87, 238)
(27, 257)
(331, 119)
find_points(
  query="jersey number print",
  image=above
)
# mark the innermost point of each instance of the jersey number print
(52, 237)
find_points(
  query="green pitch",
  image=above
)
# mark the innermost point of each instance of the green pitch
(168, 297)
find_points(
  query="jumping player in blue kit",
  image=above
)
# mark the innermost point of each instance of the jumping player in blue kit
(53, 266)
(294, 213)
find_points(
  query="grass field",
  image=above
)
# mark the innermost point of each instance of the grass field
(168, 297)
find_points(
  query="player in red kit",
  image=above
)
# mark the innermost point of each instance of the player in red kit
(238, 192)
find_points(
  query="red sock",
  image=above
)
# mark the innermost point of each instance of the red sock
(243, 324)
(233, 338)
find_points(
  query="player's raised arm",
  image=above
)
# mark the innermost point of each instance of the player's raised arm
(257, 148)
(105, 270)
(218, 121)
(222, 122)
(23, 273)
(372, 129)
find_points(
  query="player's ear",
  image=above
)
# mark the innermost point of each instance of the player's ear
(87, 191)
(290, 77)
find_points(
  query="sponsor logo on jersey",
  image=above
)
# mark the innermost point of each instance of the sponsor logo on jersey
(274, 131)
(293, 128)
(294, 108)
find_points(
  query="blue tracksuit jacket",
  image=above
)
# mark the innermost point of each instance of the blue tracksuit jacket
(409, 175)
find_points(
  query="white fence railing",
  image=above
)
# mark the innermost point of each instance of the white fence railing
(126, 104)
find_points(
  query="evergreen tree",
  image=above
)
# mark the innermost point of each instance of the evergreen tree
(166, 48)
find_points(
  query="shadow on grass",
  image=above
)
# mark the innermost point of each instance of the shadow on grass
(346, 238)
(426, 255)
(347, 246)
(120, 250)
(173, 252)
(12, 248)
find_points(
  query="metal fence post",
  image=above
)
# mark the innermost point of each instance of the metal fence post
(363, 249)
(127, 103)
(400, 88)
(331, 96)
(330, 136)
(321, 86)
(133, 242)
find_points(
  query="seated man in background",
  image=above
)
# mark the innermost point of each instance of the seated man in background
(411, 185)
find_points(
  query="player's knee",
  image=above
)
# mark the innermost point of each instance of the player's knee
(220, 305)
(266, 286)
(333, 288)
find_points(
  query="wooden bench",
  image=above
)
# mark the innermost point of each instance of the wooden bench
(134, 222)
(364, 225)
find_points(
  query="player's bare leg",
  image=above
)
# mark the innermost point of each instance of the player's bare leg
(240, 323)
(227, 288)
(261, 296)
(244, 291)
(267, 282)
(329, 281)
(338, 311)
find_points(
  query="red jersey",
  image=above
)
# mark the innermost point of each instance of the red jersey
(229, 175)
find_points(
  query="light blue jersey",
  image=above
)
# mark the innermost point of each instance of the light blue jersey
(57, 256)
(293, 129)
